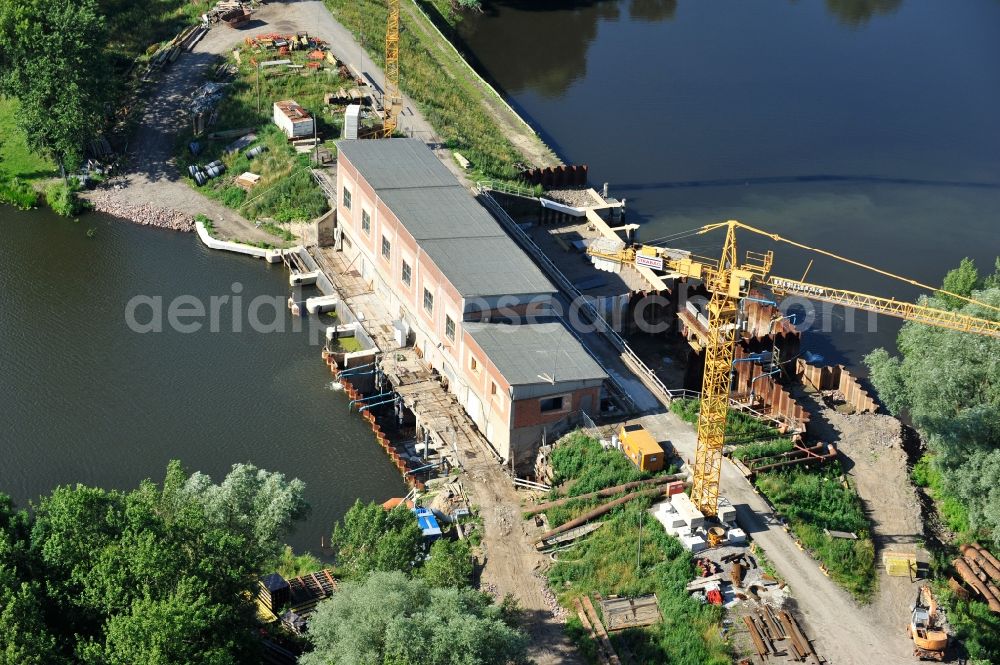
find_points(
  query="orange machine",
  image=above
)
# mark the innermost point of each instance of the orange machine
(930, 637)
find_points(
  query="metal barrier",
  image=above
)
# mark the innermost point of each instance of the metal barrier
(506, 188)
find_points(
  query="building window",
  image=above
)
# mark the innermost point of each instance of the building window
(366, 219)
(449, 328)
(386, 248)
(407, 274)
(550, 404)
(473, 364)
(428, 302)
(493, 388)
(347, 198)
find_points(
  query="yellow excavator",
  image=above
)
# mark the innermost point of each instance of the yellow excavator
(728, 282)
(927, 629)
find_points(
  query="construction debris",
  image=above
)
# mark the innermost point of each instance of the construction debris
(622, 613)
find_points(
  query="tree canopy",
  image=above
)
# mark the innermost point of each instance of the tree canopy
(949, 384)
(52, 60)
(155, 575)
(371, 538)
(390, 619)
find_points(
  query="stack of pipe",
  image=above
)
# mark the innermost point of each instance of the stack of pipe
(978, 567)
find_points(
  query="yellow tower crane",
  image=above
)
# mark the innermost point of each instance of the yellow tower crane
(728, 282)
(392, 102)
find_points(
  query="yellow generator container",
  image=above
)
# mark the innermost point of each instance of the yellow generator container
(640, 447)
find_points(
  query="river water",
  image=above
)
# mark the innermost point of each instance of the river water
(867, 128)
(864, 127)
(84, 398)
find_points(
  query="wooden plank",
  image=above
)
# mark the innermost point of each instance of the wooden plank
(590, 630)
(602, 634)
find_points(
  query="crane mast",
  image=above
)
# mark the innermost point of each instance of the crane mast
(392, 102)
(728, 283)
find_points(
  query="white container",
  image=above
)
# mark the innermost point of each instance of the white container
(352, 121)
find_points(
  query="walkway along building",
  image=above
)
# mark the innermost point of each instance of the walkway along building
(458, 285)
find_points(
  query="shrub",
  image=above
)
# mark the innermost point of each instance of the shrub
(63, 200)
(590, 466)
(18, 193)
(763, 449)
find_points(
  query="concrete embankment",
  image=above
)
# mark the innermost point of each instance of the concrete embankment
(269, 255)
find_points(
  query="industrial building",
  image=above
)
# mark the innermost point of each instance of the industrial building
(466, 296)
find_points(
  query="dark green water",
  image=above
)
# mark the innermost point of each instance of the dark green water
(85, 399)
(865, 127)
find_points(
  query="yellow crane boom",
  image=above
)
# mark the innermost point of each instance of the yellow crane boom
(392, 102)
(727, 283)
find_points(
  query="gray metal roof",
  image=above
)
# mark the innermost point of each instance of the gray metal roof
(441, 212)
(396, 163)
(528, 353)
(460, 236)
(487, 266)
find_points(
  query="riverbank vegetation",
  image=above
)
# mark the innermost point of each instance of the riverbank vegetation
(160, 574)
(948, 382)
(606, 562)
(407, 604)
(441, 84)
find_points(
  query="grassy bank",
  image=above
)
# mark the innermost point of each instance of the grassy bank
(17, 160)
(606, 562)
(814, 500)
(286, 191)
(22, 170)
(442, 86)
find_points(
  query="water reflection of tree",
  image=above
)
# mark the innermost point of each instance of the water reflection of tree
(552, 42)
(652, 10)
(857, 12)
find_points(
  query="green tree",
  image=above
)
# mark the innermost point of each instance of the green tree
(155, 575)
(962, 280)
(449, 564)
(371, 538)
(949, 384)
(52, 61)
(24, 637)
(392, 620)
(262, 505)
(182, 627)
